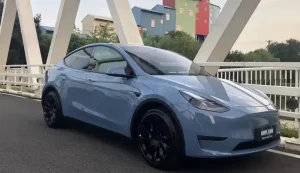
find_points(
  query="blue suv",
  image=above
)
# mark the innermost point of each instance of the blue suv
(169, 105)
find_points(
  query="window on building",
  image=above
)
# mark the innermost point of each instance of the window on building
(205, 21)
(210, 21)
(178, 28)
(167, 16)
(152, 23)
(191, 13)
(181, 10)
(162, 21)
(144, 29)
(205, 9)
(211, 14)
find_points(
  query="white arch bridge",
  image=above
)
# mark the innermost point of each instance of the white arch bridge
(23, 135)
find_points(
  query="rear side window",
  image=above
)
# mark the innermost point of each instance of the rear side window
(80, 59)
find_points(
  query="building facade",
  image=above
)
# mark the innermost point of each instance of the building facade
(150, 21)
(185, 14)
(194, 17)
(157, 21)
(169, 17)
(214, 12)
(47, 30)
(202, 20)
(90, 22)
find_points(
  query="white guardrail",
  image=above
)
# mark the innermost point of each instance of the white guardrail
(280, 81)
(16, 79)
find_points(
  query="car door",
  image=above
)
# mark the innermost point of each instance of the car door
(74, 88)
(110, 96)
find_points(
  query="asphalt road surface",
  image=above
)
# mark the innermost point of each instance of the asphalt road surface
(28, 146)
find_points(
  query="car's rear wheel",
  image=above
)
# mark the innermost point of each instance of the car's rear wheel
(52, 110)
(159, 140)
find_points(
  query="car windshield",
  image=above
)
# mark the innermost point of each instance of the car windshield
(156, 61)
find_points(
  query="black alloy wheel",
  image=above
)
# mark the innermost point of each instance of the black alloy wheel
(52, 110)
(159, 140)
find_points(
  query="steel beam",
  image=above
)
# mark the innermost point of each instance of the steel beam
(29, 35)
(124, 22)
(224, 33)
(63, 30)
(6, 29)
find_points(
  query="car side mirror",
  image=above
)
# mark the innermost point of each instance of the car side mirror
(118, 72)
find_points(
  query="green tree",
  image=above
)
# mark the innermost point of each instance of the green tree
(177, 41)
(37, 21)
(77, 41)
(235, 56)
(1, 9)
(286, 52)
(104, 34)
(260, 55)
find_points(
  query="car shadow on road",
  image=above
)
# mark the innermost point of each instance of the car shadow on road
(234, 164)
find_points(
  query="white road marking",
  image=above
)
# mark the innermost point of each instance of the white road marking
(13, 95)
(284, 153)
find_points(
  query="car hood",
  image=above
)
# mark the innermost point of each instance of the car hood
(219, 90)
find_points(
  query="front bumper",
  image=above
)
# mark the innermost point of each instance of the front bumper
(231, 133)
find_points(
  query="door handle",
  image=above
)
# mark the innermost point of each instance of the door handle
(91, 80)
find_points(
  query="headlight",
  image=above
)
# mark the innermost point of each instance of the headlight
(202, 103)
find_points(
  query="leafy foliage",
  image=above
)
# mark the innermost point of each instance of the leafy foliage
(259, 55)
(177, 41)
(104, 34)
(289, 131)
(286, 52)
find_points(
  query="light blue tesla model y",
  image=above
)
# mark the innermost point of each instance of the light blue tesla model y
(169, 105)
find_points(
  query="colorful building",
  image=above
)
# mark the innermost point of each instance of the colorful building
(191, 16)
(185, 14)
(157, 21)
(202, 20)
(169, 17)
(214, 12)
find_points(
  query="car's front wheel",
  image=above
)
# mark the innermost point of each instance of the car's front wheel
(159, 139)
(52, 110)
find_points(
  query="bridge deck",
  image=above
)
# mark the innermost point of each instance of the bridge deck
(27, 145)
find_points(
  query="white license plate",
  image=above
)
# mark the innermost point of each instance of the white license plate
(266, 132)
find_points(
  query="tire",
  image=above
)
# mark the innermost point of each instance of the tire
(159, 140)
(52, 111)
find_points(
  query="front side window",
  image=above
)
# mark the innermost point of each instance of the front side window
(156, 61)
(106, 58)
(80, 59)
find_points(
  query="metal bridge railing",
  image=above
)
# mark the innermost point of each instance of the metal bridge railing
(280, 83)
(17, 79)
